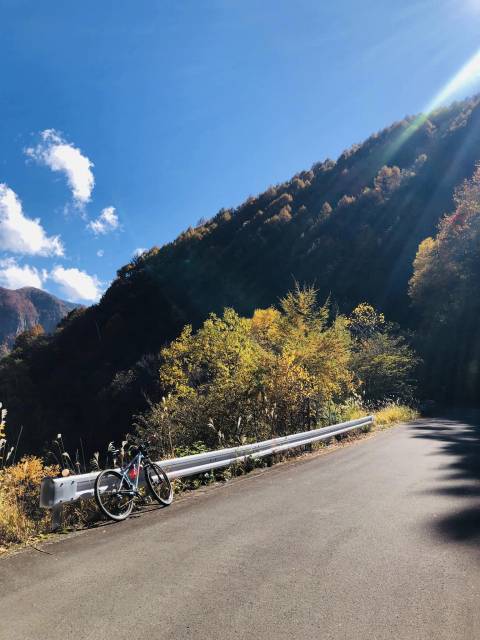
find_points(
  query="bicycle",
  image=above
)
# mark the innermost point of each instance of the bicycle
(116, 489)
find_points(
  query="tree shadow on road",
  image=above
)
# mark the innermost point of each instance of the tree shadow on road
(460, 440)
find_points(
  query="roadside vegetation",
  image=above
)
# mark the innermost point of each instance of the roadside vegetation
(21, 518)
(393, 413)
(445, 291)
(287, 369)
(23, 522)
(233, 381)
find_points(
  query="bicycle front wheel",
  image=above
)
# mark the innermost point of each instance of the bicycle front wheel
(159, 484)
(113, 495)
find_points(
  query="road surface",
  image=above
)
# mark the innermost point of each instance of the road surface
(376, 540)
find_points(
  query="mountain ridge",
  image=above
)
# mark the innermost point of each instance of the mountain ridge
(21, 309)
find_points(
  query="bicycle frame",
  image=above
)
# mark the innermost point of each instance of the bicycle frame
(133, 464)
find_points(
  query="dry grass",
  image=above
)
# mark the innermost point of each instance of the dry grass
(389, 414)
(354, 411)
(393, 413)
(21, 517)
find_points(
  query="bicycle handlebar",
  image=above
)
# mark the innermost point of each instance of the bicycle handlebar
(133, 447)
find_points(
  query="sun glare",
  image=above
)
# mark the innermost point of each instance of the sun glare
(466, 77)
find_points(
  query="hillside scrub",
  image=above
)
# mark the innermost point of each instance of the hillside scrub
(281, 371)
(351, 225)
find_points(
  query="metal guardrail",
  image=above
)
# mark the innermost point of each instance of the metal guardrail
(55, 492)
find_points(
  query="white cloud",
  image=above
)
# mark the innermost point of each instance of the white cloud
(100, 253)
(59, 155)
(13, 276)
(107, 221)
(20, 234)
(139, 251)
(76, 285)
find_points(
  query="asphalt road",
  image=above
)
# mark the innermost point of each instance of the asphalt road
(376, 540)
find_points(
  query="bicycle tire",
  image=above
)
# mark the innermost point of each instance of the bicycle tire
(109, 501)
(161, 488)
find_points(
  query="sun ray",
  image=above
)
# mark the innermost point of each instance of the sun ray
(466, 77)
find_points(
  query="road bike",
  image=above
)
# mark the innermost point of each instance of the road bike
(116, 489)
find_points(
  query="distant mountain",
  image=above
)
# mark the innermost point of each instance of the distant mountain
(350, 226)
(22, 309)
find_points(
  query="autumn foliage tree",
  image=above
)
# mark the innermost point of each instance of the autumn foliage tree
(383, 362)
(238, 379)
(445, 289)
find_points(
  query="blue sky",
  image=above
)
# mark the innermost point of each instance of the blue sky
(123, 122)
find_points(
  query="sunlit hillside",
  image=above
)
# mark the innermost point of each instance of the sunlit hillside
(350, 227)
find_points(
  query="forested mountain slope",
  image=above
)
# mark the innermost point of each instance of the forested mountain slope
(350, 227)
(22, 309)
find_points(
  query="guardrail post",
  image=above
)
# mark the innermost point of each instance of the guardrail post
(57, 516)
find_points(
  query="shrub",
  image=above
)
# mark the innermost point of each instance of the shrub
(382, 360)
(238, 379)
(21, 517)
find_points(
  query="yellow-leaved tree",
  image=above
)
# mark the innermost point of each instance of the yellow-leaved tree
(238, 379)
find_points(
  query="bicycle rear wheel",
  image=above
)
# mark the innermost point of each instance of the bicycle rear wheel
(113, 495)
(159, 484)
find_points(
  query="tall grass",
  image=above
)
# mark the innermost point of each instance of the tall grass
(21, 517)
(392, 413)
